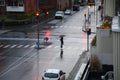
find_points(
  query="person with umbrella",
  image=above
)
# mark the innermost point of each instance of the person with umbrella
(61, 41)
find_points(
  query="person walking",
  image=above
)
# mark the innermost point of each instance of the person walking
(61, 41)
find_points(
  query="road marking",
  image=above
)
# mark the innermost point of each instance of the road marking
(6, 46)
(33, 39)
(13, 46)
(19, 46)
(33, 46)
(26, 46)
(49, 46)
(1, 46)
(9, 68)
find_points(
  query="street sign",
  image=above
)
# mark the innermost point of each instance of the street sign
(37, 43)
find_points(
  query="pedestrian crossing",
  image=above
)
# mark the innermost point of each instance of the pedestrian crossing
(66, 27)
(20, 46)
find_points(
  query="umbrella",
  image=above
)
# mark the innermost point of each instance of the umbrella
(62, 36)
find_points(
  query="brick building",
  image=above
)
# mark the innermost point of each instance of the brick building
(26, 6)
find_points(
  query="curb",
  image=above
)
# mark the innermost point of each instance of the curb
(75, 69)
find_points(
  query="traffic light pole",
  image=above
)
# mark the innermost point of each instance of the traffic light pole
(85, 20)
(87, 42)
(37, 17)
(88, 33)
(38, 34)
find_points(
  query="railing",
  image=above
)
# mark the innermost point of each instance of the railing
(83, 72)
(108, 76)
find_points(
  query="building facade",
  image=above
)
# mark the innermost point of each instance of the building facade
(108, 39)
(26, 6)
(20, 6)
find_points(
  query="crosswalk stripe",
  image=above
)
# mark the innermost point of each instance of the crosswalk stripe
(1, 46)
(6, 46)
(26, 46)
(49, 46)
(33, 46)
(19, 46)
(13, 46)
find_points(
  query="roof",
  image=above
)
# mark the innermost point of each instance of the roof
(52, 71)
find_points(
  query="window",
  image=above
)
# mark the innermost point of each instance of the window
(43, 1)
(15, 3)
(51, 75)
(2, 2)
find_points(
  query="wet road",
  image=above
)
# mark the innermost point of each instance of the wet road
(20, 60)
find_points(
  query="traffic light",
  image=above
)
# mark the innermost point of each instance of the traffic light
(47, 13)
(37, 15)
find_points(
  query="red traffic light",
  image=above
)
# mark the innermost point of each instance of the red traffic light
(37, 14)
(47, 12)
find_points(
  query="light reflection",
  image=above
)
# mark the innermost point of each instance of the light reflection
(48, 34)
(84, 37)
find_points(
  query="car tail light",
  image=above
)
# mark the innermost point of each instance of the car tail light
(58, 78)
(43, 78)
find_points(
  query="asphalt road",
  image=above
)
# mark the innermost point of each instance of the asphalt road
(20, 60)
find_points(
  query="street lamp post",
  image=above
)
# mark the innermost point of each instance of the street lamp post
(88, 13)
(38, 38)
(37, 17)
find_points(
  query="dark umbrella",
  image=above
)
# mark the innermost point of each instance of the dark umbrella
(62, 36)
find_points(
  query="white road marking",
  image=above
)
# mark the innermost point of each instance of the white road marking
(19, 46)
(13, 46)
(9, 68)
(26, 46)
(49, 46)
(6, 46)
(33, 46)
(1, 46)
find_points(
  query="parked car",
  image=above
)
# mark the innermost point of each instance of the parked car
(67, 12)
(76, 8)
(53, 74)
(59, 15)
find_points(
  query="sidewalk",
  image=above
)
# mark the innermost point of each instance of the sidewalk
(94, 21)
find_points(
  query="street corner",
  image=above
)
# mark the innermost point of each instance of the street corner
(43, 45)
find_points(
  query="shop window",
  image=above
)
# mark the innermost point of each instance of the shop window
(15, 3)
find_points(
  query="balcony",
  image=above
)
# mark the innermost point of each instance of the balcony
(15, 8)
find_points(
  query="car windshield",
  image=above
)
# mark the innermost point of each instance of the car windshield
(59, 12)
(51, 75)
